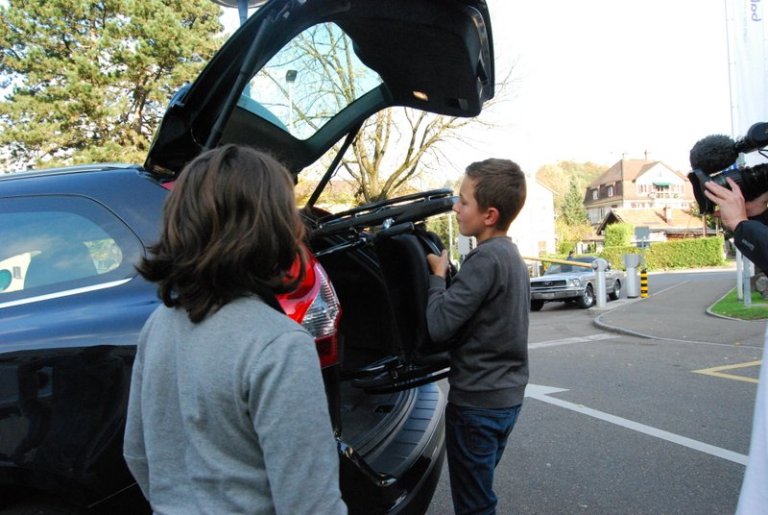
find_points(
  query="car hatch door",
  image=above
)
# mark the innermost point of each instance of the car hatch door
(298, 75)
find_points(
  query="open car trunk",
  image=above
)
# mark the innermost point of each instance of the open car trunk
(375, 256)
(390, 408)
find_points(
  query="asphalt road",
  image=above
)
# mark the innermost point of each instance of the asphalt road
(618, 423)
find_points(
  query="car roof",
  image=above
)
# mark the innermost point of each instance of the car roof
(130, 192)
(39, 172)
(432, 55)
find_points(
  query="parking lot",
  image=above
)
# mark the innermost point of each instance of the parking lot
(626, 423)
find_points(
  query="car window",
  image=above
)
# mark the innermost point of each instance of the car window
(313, 78)
(54, 243)
(556, 268)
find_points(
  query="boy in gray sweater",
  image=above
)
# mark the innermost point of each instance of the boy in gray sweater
(482, 318)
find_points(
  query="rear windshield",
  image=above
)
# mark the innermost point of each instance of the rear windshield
(313, 78)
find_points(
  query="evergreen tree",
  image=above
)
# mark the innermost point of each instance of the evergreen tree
(558, 176)
(91, 79)
(572, 209)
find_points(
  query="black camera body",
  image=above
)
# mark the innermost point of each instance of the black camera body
(712, 159)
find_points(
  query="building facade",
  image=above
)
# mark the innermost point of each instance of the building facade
(533, 231)
(637, 184)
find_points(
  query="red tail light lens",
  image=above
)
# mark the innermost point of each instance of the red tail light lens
(315, 306)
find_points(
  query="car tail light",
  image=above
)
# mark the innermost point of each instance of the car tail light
(316, 307)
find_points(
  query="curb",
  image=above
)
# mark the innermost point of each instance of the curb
(725, 317)
(716, 315)
(597, 322)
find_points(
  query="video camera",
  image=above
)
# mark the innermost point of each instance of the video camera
(712, 159)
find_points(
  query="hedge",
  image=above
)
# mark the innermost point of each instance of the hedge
(619, 235)
(687, 253)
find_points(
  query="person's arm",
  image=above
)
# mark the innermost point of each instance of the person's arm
(289, 410)
(134, 450)
(449, 309)
(749, 236)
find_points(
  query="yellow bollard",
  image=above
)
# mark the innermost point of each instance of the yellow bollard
(643, 283)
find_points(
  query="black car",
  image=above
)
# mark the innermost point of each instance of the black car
(72, 304)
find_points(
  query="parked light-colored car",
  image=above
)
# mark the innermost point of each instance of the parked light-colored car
(563, 282)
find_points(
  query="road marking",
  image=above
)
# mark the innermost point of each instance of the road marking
(671, 287)
(568, 341)
(542, 393)
(718, 371)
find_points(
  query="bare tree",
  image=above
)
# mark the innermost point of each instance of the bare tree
(392, 146)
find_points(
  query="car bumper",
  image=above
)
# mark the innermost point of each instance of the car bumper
(556, 294)
(401, 476)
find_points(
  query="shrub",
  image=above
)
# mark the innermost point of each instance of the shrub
(615, 255)
(619, 235)
(688, 253)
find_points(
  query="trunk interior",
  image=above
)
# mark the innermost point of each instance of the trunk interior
(377, 337)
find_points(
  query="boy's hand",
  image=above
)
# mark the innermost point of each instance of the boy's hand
(438, 264)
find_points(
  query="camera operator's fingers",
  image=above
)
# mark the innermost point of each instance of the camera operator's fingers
(719, 191)
(731, 202)
(734, 187)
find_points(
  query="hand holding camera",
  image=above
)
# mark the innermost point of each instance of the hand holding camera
(712, 159)
(732, 204)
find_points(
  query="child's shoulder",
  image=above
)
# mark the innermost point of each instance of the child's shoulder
(498, 253)
(500, 246)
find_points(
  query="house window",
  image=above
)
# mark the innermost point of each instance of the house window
(594, 194)
(610, 191)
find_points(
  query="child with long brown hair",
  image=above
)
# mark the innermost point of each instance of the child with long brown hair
(227, 411)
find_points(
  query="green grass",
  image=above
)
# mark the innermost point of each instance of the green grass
(731, 306)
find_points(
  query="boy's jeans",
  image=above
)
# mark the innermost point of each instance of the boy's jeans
(475, 439)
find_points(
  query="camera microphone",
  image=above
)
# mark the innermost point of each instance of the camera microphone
(717, 152)
(713, 154)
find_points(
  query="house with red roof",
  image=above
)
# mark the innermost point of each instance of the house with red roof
(647, 194)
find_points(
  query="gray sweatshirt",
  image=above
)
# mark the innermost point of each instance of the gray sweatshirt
(483, 319)
(230, 415)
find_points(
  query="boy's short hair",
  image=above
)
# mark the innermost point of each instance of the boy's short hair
(230, 229)
(499, 183)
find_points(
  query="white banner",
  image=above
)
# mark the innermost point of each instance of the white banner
(748, 65)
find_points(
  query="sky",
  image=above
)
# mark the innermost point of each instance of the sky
(596, 79)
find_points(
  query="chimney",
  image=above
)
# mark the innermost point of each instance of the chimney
(668, 214)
